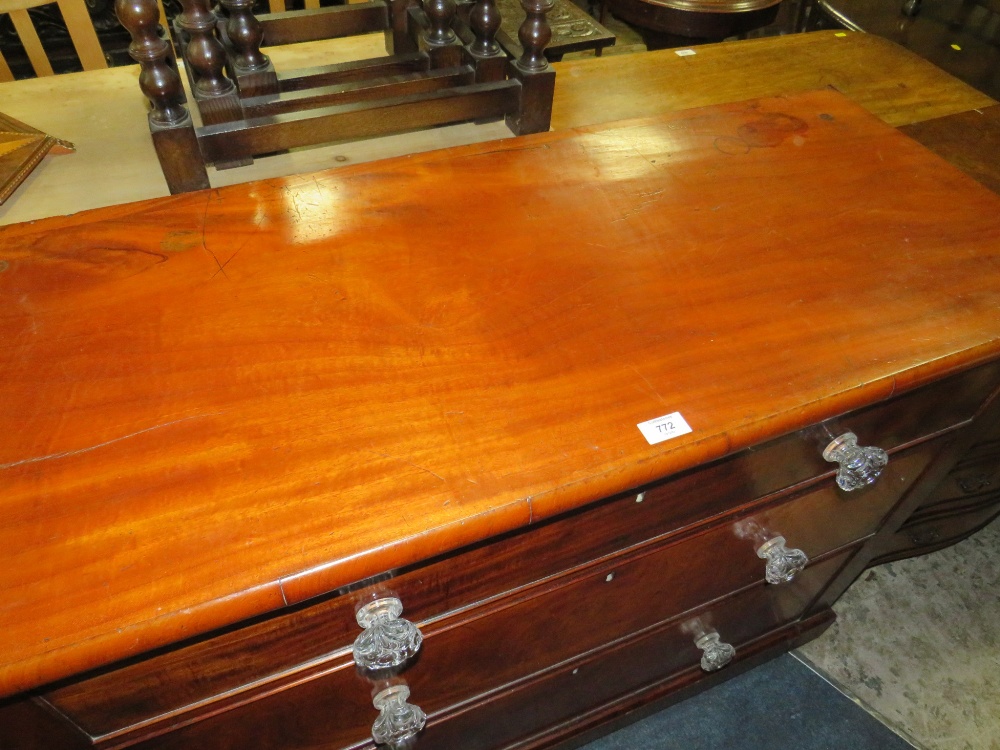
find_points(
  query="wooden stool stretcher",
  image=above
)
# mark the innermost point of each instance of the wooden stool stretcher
(444, 65)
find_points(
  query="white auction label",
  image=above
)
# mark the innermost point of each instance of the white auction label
(663, 428)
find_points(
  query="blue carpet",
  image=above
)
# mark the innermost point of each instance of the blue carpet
(780, 704)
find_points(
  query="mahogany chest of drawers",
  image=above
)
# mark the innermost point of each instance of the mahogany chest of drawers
(409, 396)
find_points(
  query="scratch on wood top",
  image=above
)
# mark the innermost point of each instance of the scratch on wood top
(65, 454)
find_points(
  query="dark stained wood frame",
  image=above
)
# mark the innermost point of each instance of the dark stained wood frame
(443, 66)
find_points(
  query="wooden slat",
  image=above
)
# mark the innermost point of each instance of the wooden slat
(81, 31)
(32, 44)
(330, 75)
(286, 131)
(5, 74)
(385, 88)
(10, 5)
(325, 23)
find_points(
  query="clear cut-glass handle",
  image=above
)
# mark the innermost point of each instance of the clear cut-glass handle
(859, 465)
(783, 564)
(716, 653)
(398, 721)
(388, 640)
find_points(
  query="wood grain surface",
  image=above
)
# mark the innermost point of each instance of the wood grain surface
(222, 402)
(890, 82)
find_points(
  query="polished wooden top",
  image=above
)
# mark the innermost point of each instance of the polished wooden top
(890, 82)
(103, 112)
(224, 402)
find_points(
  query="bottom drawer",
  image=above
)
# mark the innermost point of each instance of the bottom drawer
(578, 685)
(335, 710)
(583, 693)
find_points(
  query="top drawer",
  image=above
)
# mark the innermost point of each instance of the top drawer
(474, 575)
(797, 457)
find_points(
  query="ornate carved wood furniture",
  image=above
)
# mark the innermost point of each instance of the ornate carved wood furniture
(636, 434)
(445, 66)
(573, 30)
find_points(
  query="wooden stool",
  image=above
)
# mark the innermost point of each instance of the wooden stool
(444, 66)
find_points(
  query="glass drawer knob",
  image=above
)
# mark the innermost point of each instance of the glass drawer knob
(388, 640)
(716, 653)
(398, 721)
(783, 564)
(859, 466)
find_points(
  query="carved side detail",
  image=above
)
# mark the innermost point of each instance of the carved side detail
(973, 483)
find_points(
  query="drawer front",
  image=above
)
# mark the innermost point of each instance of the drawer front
(699, 568)
(488, 660)
(564, 617)
(826, 518)
(795, 458)
(179, 680)
(585, 693)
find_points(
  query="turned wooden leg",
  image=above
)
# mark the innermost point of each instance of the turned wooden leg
(170, 122)
(251, 68)
(534, 34)
(536, 75)
(439, 40)
(205, 60)
(491, 62)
